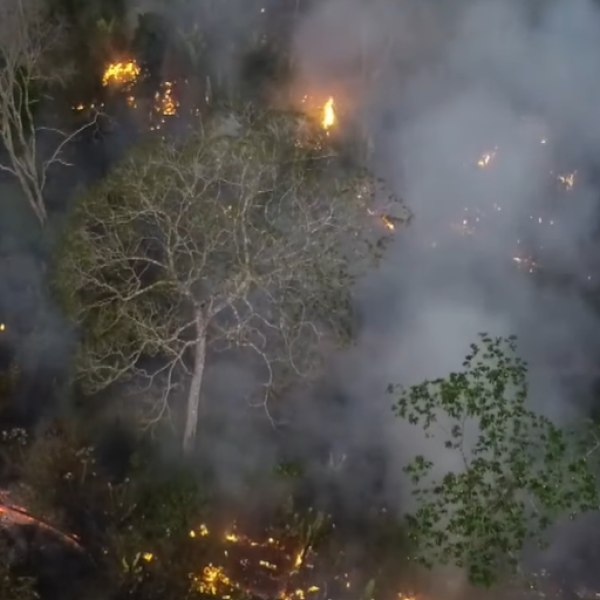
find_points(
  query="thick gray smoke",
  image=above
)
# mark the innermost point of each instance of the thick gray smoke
(444, 83)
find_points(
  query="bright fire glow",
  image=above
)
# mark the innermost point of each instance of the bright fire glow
(166, 104)
(121, 73)
(486, 159)
(328, 119)
(387, 223)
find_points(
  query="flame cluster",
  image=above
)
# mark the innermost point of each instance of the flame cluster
(124, 75)
(121, 74)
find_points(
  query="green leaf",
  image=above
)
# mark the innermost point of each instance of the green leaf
(519, 471)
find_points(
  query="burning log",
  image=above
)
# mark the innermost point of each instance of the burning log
(12, 515)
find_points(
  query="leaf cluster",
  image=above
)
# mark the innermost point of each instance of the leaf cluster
(519, 472)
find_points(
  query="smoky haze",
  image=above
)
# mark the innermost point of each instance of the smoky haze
(518, 81)
(442, 84)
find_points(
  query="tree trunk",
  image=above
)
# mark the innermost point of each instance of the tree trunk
(193, 401)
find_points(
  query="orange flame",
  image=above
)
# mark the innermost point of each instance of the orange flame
(328, 120)
(121, 73)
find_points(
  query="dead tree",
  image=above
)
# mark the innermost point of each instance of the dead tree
(246, 237)
(30, 41)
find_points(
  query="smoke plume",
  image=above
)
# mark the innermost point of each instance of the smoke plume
(481, 111)
(510, 85)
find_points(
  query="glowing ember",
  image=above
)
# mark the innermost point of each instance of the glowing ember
(464, 227)
(387, 223)
(526, 263)
(568, 179)
(166, 104)
(263, 568)
(486, 159)
(92, 107)
(328, 119)
(385, 220)
(213, 581)
(121, 73)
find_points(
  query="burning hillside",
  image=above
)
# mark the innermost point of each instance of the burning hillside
(305, 558)
(155, 111)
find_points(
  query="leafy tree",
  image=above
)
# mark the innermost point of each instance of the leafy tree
(519, 471)
(247, 236)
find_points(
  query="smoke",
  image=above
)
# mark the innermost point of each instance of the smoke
(517, 81)
(441, 84)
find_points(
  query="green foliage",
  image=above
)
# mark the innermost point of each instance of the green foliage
(518, 471)
(150, 552)
(171, 506)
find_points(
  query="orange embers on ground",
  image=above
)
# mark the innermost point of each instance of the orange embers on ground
(264, 567)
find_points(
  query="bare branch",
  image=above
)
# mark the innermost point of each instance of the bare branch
(246, 243)
(30, 41)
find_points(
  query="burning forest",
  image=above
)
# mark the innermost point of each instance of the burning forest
(248, 251)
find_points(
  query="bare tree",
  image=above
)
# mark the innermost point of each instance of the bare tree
(30, 41)
(248, 236)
